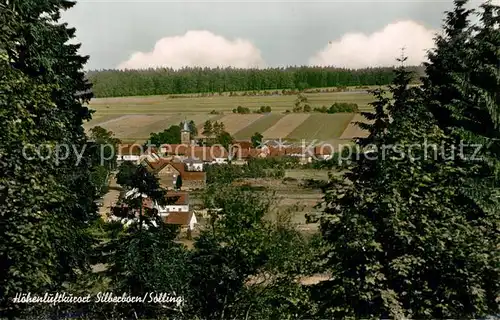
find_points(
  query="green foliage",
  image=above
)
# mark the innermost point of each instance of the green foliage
(207, 128)
(300, 103)
(228, 173)
(339, 107)
(45, 204)
(105, 144)
(257, 139)
(115, 83)
(275, 163)
(178, 183)
(100, 178)
(264, 109)
(141, 261)
(125, 173)
(192, 128)
(218, 128)
(241, 110)
(171, 135)
(405, 242)
(225, 139)
(243, 265)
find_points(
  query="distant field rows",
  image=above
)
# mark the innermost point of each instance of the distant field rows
(261, 125)
(164, 104)
(322, 127)
(353, 130)
(285, 126)
(134, 118)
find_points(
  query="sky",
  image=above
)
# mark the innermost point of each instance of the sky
(161, 33)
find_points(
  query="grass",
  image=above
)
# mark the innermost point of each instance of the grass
(164, 104)
(260, 126)
(156, 113)
(322, 126)
(302, 174)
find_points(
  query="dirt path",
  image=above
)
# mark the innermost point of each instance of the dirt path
(109, 199)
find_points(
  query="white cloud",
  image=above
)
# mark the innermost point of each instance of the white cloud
(381, 48)
(197, 48)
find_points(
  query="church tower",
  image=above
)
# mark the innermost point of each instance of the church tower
(185, 134)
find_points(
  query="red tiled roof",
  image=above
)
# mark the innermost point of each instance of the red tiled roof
(179, 166)
(158, 165)
(178, 218)
(323, 150)
(193, 176)
(196, 152)
(177, 198)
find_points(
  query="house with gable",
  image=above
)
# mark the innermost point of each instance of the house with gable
(167, 172)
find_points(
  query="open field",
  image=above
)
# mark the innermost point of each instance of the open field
(235, 122)
(320, 126)
(165, 104)
(285, 126)
(132, 119)
(353, 130)
(261, 125)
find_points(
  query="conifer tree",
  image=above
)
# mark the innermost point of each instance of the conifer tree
(449, 65)
(47, 203)
(404, 241)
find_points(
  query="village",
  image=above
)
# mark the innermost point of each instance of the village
(182, 170)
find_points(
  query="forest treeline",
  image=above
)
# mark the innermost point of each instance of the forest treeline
(161, 81)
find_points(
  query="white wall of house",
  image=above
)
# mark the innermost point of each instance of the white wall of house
(194, 166)
(165, 210)
(219, 160)
(192, 222)
(128, 158)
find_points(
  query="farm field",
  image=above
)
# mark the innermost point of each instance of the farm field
(353, 130)
(261, 125)
(235, 122)
(132, 119)
(166, 104)
(320, 126)
(285, 126)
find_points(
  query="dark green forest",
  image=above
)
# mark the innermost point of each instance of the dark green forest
(117, 83)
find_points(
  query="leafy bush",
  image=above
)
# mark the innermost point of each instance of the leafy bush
(241, 110)
(339, 107)
(228, 173)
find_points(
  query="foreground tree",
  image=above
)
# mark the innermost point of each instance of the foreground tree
(46, 202)
(244, 266)
(142, 257)
(404, 241)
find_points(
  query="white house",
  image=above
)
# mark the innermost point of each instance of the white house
(193, 164)
(179, 202)
(220, 160)
(184, 219)
(128, 157)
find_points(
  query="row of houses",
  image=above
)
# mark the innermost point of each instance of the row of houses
(201, 155)
(188, 161)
